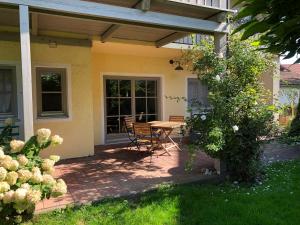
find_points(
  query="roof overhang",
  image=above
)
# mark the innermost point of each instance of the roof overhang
(115, 19)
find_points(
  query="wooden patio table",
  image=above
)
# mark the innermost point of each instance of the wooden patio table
(167, 127)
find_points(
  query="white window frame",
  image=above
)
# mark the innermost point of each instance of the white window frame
(53, 117)
(162, 100)
(133, 97)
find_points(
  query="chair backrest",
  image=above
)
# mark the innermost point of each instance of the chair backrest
(128, 121)
(176, 118)
(142, 129)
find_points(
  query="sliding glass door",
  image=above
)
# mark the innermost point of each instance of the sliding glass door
(130, 96)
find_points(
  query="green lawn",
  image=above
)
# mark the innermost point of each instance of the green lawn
(276, 201)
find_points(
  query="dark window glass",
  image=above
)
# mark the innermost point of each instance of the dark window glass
(112, 89)
(125, 88)
(51, 102)
(151, 118)
(51, 81)
(112, 125)
(140, 88)
(8, 99)
(125, 106)
(151, 105)
(140, 105)
(112, 106)
(151, 88)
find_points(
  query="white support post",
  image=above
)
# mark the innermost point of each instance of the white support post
(26, 71)
(220, 41)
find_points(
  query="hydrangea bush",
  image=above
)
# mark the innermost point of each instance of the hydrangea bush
(240, 114)
(26, 178)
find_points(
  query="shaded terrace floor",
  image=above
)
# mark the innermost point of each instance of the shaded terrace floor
(115, 172)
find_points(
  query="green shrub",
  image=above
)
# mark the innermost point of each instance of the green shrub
(240, 113)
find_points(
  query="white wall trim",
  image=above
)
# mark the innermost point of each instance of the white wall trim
(69, 92)
(162, 93)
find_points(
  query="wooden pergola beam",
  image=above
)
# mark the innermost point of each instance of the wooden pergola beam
(121, 15)
(170, 38)
(107, 35)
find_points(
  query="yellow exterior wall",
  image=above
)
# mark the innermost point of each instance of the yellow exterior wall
(140, 61)
(78, 130)
(87, 66)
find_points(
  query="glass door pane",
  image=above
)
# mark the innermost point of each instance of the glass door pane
(118, 104)
(129, 97)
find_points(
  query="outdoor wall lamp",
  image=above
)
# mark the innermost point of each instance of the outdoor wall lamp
(178, 67)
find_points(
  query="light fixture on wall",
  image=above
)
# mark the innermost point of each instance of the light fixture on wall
(176, 62)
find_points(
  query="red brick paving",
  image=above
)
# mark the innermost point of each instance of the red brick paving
(114, 172)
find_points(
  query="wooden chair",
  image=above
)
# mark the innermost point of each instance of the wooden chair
(180, 130)
(128, 124)
(176, 119)
(145, 135)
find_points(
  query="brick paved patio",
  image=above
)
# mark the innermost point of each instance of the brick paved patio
(114, 172)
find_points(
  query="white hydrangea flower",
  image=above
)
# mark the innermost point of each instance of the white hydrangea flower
(56, 140)
(22, 159)
(4, 187)
(60, 188)
(12, 178)
(2, 155)
(47, 164)
(8, 197)
(36, 170)
(14, 165)
(34, 196)
(26, 186)
(48, 179)
(218, 78)
(1, 196)
(20, 194)
(55, 158)
(3, 173)
(203, 117)
(51, 171)
(36, 178)
(235, 128)
(43, 135)
(6, 162)
(24, 175)
(9, 122)
(16, 146)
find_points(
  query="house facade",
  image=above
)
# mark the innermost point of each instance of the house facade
(78, 67)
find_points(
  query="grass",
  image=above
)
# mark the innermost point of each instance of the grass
(274, 202)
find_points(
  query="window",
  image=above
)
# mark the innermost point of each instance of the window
(8, 91)
(197, 93)
(130, 97)
(51, 92)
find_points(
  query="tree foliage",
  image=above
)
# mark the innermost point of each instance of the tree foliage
(240, 113)
(275, 23)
